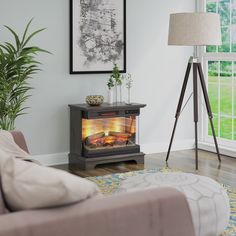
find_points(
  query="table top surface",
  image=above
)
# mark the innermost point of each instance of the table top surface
(107, 106)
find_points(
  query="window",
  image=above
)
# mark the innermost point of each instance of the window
(219, 63)
(227, 11)
(222, 94)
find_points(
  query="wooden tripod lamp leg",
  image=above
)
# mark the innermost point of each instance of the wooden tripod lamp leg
(179, 106)
(195, 111)
(208, 107)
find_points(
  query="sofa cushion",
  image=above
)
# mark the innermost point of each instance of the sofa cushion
(20, 140)
(27, 185)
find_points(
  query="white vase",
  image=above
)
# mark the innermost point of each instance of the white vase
(121, 98)
(116, 93)
(129, 97)
(110, 96)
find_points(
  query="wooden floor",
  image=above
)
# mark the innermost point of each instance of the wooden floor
(182, 160)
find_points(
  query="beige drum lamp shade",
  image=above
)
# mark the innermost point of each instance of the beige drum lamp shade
(194, 29)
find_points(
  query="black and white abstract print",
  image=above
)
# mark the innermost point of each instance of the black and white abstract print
(98, 35)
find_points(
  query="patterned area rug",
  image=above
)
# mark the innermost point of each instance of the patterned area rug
(109, 183)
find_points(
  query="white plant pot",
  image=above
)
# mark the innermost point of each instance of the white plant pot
(110, 96)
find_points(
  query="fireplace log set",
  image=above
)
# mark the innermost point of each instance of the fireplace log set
(112, 139)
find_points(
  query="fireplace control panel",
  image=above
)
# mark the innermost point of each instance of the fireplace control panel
(132, 112)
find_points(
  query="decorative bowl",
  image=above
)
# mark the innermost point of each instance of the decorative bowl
(94, 100)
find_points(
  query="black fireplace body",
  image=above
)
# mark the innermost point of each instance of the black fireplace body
(104, 134)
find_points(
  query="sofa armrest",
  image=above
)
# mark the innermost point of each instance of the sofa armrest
(20, 140)
(154, 212)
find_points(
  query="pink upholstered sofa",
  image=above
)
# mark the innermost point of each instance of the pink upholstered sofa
(156, 212)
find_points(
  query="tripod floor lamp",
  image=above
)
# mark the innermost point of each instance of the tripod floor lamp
(194, 29)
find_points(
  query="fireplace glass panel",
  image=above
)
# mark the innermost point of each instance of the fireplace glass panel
(107, 133)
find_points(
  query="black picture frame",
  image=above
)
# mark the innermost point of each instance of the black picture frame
(72, 49)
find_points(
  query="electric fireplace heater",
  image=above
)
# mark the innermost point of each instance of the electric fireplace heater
(104, 134)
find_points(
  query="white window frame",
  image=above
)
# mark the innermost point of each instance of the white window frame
(227, 147)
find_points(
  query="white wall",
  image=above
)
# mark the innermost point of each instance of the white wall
(157, 69)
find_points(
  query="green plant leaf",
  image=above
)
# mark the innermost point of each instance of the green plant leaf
(32, 35)
(18, 44)
(26, 30)
(9, 45)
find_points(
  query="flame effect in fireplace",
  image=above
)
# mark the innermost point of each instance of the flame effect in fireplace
(106, 125)
(108, 131)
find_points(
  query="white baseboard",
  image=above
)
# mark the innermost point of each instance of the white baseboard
(150, 148)
(52, 159)
(223, 150)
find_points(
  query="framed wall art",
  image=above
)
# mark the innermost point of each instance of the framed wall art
(97, 36)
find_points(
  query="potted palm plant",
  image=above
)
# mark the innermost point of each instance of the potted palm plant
(18, 64)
